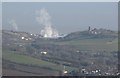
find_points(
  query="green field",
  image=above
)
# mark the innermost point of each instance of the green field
(107, 44)
(23, 59)
(95, 44)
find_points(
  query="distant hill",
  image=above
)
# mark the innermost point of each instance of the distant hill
(9, 35)
(90, 34)
(18, 36)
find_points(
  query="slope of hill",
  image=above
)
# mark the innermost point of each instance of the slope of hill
(75, 50)
(96, 33)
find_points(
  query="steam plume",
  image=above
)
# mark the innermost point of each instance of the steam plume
(44, 19)
(13, 24)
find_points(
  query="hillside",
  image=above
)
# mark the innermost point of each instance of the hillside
(76, 50)
(91, 34)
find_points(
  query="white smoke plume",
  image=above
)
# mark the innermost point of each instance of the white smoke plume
(13, 24)
(44, 19)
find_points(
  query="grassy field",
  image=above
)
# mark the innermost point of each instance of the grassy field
(23, 59)
(95, 44)
(107, 44)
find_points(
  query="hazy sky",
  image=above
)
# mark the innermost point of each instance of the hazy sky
(66, 17)
(0, 15)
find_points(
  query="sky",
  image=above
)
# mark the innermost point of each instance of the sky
(66, 17)
(59, 0)
(0, 15)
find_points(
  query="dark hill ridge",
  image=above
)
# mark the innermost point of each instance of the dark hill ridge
(81, 40)
(87, 34)
(18, 35)
(90, 34)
